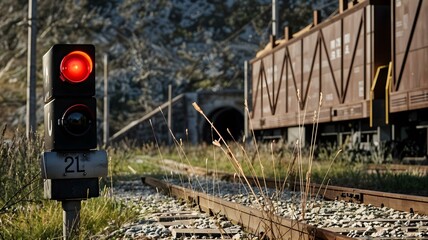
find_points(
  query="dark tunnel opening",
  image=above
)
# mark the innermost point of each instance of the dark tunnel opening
(223, 119)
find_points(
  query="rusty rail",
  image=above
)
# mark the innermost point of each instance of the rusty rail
(401, 202)
(261, 223)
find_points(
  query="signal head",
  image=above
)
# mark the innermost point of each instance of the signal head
(69, 89)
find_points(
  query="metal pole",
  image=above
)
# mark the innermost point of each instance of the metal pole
(274, 18)
(70, 219)
(106, 103)
(169, 113)
(246, 107)
(31, 68)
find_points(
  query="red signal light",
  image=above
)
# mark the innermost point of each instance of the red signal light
(75, 67)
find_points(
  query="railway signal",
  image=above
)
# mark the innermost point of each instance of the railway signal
(69, 89)
(71, 165)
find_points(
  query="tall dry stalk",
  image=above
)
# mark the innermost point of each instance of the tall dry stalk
(256, 147)
(179, 147)
(298, 159)
(267, 204)
(157, 145)
(227, 151)
(315, 122)
(328, 170)
(273, 164)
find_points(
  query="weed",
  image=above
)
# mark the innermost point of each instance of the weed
(19, 170)
(24, 214)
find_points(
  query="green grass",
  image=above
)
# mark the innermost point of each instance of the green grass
(44, 220)
(356, 176)
(276, 160)
(25, 214)
(40, 221)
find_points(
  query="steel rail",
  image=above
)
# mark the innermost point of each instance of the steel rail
(261, 223)
(401, 202)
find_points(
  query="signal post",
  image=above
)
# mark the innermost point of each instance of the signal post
(71, 165)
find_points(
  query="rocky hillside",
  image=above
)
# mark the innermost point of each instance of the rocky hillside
(150, 44)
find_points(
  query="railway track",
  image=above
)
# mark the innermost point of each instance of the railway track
(258, 222)
(262, 222)
(214, 227)
(266, 224)
(401, 202)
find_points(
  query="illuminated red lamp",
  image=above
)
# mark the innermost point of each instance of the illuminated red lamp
(75, 67)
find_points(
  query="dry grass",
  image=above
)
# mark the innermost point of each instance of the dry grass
(303, 166)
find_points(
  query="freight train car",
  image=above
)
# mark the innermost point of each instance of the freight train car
(361, 75)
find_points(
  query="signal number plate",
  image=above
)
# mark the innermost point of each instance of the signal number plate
(61, 165)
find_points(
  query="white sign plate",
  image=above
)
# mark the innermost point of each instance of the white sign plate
(65, 165)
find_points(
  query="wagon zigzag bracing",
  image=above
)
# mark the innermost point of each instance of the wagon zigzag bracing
(365, 66)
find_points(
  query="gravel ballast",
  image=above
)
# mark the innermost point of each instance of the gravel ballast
(359, 220)
(363, 220)
(151, 204)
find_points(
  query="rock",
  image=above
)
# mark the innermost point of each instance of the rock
(237, 236)
(360, 210)
(225, 224)
(315, 210)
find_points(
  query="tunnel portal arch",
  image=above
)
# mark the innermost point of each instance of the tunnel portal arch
(224, 118)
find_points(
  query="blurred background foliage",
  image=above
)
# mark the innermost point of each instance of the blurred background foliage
(149, 44)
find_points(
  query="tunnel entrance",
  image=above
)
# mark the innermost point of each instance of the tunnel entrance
(223, 119)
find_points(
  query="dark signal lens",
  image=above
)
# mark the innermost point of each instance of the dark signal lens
(77, 120)
(76, 67)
